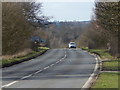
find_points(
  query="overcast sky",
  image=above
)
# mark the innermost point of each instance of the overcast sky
(68, 11)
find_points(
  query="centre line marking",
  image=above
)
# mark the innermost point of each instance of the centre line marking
(38, 71)
(52, 65)
(7, 85)
(27, 76)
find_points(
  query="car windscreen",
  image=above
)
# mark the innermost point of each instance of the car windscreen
(72, 43)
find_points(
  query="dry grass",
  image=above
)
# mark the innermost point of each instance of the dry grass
(20, 57)
(20, 54)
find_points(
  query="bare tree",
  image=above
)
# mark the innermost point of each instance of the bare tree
(19, 22)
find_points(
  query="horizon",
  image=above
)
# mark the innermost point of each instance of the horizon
(71, 21)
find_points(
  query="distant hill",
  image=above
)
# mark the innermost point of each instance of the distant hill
(72, 24)
(64, 32)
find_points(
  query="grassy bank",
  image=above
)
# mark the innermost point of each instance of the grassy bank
(33, 54)
(111, 65)
(101, 52)
(107, 80)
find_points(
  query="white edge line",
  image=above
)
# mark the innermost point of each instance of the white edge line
(9, 84)
(91, 76)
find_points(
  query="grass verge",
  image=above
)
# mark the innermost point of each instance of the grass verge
(107, 80)
(111, 65)
(33, 54)
(101, 52)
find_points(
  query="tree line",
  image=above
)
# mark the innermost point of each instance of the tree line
(107, 17)
(61, 33)
(19, 22)
(104, 29)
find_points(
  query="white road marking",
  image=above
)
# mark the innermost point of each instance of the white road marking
(65, 52)
(27, 76)
(45, 68)
(38, 72)
(57, 62)
(96, 58)
(60, 59)
(7, 85)
(52, 65)
(65, 55)
(87, 84)
(48, 66)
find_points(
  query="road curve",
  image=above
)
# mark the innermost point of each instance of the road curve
(57, 68)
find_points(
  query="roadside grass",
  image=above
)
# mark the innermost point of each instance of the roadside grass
(101, 52)
(44, 48)
(4, 62)
(107, 80)
(111, 65)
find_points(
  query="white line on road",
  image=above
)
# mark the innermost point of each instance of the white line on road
(7, 85)
(46, 67)
(26, 76)
(60, 59)
(52, 65)
(87, 84)
(65, 55)
(38, 72)
(57, 62)
(96, 58)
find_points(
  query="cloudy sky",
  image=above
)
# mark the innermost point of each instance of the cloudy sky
(68, 11)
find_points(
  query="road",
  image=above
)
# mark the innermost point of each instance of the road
(57, 68)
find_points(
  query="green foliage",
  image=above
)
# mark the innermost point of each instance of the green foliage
(44, 48)
(111, 65)
(107, 80)
(104, 54)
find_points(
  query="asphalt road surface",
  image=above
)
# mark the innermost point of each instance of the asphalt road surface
(57, 68)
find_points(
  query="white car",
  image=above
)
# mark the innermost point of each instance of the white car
(72, 45)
